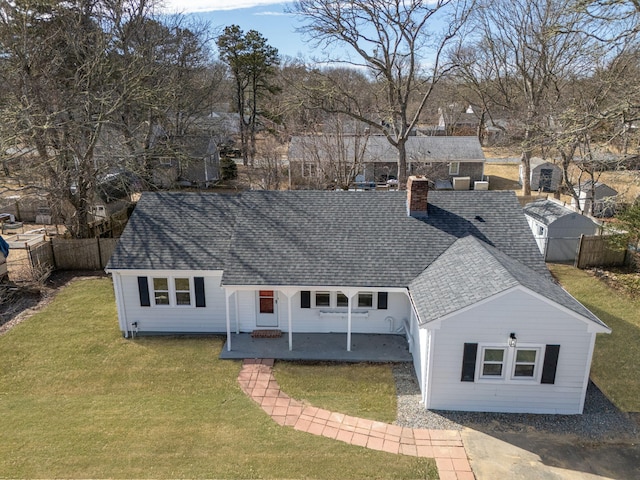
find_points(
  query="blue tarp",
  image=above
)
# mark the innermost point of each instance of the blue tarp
(4, 247)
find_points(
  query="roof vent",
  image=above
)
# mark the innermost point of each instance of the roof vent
(480, 219)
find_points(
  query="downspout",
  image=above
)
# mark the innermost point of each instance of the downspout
(290, 322)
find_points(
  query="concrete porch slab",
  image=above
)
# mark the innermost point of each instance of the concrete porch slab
(321, 347)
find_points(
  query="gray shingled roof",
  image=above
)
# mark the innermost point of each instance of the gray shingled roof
(357, 239)
(376, 148)
(176, 231)
(547, 211)
(470, 271)
(316, 238)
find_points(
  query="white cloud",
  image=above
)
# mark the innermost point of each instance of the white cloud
(273, 14)
(188, 6)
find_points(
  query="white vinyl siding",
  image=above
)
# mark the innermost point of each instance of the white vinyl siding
(536, 323)
(326, 320)
(181, 319)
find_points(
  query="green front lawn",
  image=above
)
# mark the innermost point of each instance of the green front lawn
(78, 400)
(616, 359)
(366, 391)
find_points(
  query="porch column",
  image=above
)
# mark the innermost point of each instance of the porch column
(227, 294)
(349, 293)
(237, 299)
(289, 293)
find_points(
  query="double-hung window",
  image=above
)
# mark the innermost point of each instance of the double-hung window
(492, 363)
(172, 291)
(497, 362)
(161, 291)
(183, 291)
(337, 299)
(365, 300)
(176, 291)
(323, 299)
(524, 366)
(342, 300)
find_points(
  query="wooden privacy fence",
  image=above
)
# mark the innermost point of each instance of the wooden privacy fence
(73, 254)
(595, 251)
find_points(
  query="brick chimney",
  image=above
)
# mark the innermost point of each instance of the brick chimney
(417, 193)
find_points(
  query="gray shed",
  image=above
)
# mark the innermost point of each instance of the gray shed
(604, 198)
(557, 228)
(545, 176)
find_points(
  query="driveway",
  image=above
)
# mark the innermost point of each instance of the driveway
(541, 456)
(602, 443)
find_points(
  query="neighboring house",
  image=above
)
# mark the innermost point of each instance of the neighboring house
(187, 160)
(114, 192)
(603, 197)
(456, 121)
(544, 176)
(557, 228)
(488, 327)
(440, 158)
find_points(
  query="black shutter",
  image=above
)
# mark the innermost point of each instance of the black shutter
(383, 298)
(469, 362)
(550, 364)
(143, 290)
(305, 299)
(198, 283)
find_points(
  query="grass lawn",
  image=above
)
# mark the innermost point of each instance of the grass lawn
(616, 356)
(78, 400)
(366, 391)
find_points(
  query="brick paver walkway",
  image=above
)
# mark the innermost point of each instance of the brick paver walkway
(257, 381)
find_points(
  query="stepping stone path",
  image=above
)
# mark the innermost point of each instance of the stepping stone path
(257, 381)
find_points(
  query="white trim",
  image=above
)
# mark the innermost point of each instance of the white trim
(592, 326)
(313, 288)
(122, 311)
(455, 171)
(587, 371)
(165, 272)
(428, 378)
(228, 294)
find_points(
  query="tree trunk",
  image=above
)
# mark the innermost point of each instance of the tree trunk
(402, 164)
(525, 160)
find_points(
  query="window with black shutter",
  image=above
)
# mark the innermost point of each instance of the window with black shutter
(550, 365)
(469, 362)
(198, 283)
(143, 291)
(305, 299)
(383, 298)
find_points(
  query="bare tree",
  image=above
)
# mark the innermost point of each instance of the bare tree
(74, 73)
(530, 51)
(397, 44)
(335, 157)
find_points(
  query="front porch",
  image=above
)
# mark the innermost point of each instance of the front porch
(365, 347)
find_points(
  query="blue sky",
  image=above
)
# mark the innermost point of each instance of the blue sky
(266, 16)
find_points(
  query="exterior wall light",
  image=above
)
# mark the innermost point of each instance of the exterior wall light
(512, 339)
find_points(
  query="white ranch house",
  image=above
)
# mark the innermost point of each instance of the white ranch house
(455, 273)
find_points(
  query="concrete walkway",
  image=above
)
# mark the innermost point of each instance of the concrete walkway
(257, 381)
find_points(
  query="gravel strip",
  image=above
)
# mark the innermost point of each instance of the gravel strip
(601, 420)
